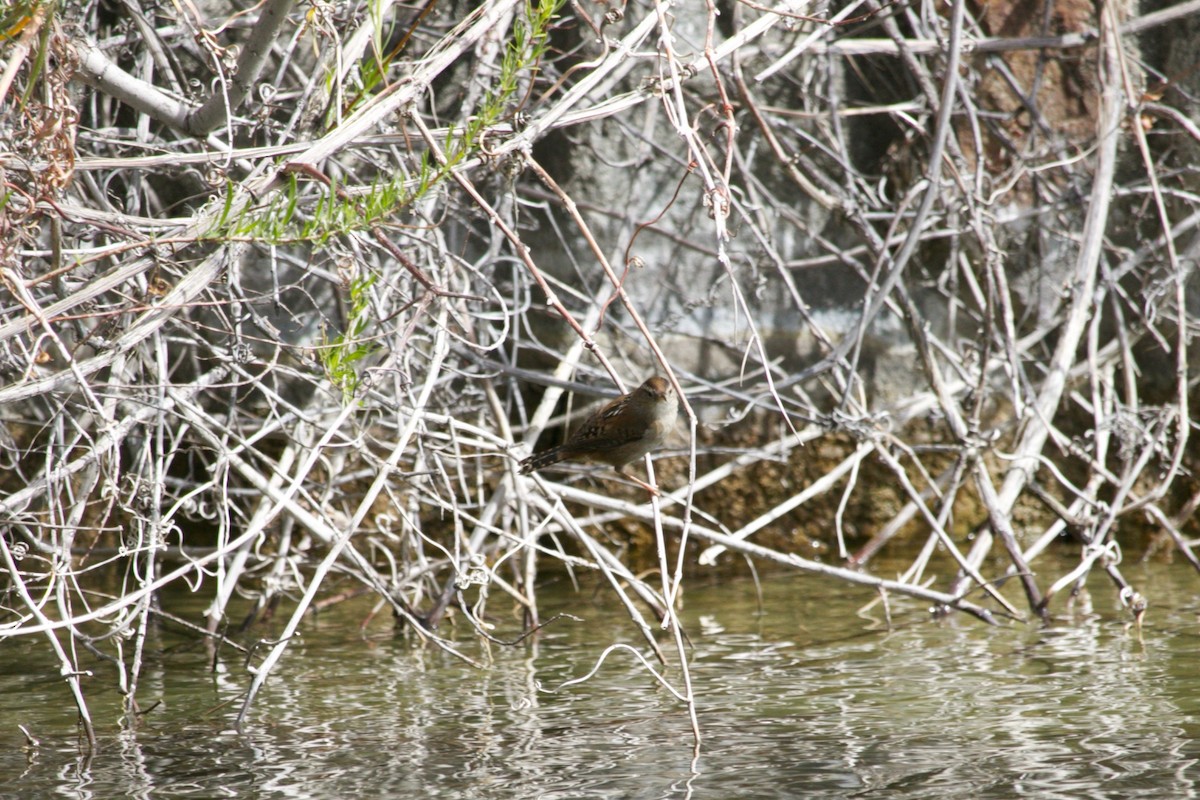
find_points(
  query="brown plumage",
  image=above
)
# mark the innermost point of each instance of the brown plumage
(618, 433)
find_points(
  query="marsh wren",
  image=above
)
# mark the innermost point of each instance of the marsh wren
(618, 433)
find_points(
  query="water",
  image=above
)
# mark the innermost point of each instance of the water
(803, 699)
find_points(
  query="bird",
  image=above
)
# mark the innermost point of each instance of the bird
(618, 433)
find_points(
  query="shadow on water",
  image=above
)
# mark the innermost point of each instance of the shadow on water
(803, 698)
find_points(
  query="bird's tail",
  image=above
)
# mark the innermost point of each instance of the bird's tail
(541, 460)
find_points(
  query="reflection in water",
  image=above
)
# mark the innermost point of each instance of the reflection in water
(804, 699)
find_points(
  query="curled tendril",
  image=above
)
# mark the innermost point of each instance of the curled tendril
(476, 573)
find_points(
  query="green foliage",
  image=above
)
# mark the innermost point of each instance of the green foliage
(373, 71)
(336, 213)
(13, 19)
(523, 53)
(342, 355)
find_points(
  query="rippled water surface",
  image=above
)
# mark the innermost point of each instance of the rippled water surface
(801, 698)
